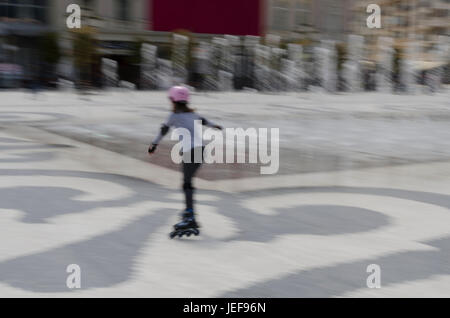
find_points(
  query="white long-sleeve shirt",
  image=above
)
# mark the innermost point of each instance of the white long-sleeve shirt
(187, 121)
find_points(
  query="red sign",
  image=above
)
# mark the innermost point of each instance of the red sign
(235, 17)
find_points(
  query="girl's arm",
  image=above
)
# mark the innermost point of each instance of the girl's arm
(163, 131)
(208, 123)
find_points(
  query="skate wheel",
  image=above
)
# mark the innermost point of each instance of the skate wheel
(172, 235)
(189, 234)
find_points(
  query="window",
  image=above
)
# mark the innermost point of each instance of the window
(280, 19)
(24, 9)
(302, 13)
(440, 13)
(122, 10)
(87, 3)
(280, 15)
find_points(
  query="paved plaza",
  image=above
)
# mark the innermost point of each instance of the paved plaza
(363, 179)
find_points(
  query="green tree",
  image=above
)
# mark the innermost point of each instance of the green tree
(135, 57)
(84, 53)
(341, 51)
(49, 46)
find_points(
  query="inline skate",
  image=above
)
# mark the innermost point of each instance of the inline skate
(188, 226)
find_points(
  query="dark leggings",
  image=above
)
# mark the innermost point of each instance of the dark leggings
(189, 170)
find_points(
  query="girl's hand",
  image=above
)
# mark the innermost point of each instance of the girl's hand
(152, 149)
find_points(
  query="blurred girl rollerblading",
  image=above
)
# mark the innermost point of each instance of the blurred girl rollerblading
(184, 117)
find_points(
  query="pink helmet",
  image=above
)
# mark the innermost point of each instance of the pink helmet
(179, 94)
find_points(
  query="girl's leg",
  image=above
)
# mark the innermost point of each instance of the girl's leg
(189, 170)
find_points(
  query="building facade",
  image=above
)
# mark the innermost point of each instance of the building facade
(319, 19)
(406, 21)
(289, 19)
(21, 22)
(115, 26)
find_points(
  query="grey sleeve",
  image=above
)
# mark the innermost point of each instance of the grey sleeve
(164, 130)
